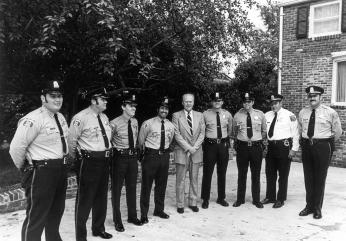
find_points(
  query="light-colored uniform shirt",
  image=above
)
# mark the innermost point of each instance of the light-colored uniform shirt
(327, 122)
(120, 134)
(86, 133)
(258, 121)
(38, 137)
(286, 126)
(150, 133)
(211, 124)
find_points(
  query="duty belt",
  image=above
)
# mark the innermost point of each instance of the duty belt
(47, 162)
(97, 154)
(152, 151)
(285, 142)
(216, 140)
(126, 152)
(314, 141)
(250, 143)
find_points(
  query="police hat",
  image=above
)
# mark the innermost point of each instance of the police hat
(50, 86)
(101, 92)
(276, 97)
(313, 89)
(215, 96)
(164, 102)
(128, 98)
(247, 97)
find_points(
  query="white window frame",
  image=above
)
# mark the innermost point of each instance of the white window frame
(336, 57)
(311, 18)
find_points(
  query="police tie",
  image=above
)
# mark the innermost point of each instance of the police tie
(105, 138)
(311, 126)
(63, 141)
(271, 129)
(130, 133)
(218, 125)
(189, 120)
(162, 142)
(249, 126)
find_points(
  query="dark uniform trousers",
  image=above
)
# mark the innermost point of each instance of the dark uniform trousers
(316, 159)
(249, 155)
(45, 190)
(277, 161)
(154, 167)
(92, 193)
(124, 167)
(216, 153)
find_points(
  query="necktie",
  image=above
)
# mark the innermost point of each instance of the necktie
(63, 141)
(189, 121)
(162, 142)
(311, 126)
(105, 138)
(271, 129)
(249, 126)
(130, 133)
(218, 126)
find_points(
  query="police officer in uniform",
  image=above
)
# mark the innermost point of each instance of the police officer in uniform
(283, 142)
(124, 164)
(38, 149)
(155, 137)
(320, 127)
(250, 130)
(218, 128)
(89, 141)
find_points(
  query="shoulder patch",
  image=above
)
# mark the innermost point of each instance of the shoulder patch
(293, 118)
(28, 123)
(76, 122)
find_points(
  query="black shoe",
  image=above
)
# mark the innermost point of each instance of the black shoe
(161, 214)
(222, 202)
(278, 204)
(180, 210)
(135, 221)
(238, 203)
(305, 212)
(144, 220)
(194, 208)
(205, 204)
(102, 234)
(119, 227)
(317, 214)
(267, 200)
(258, 204)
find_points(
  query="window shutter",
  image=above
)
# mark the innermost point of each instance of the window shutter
(343, 15)
(302, 22)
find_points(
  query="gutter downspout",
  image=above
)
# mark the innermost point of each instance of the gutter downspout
(280, 48)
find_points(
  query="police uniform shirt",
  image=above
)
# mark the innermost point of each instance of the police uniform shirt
(258, 121)
(120, 138)
(150, 133)
(85, 131)
(38, 137)
(211, 126)
(327, 122)
(286, 126)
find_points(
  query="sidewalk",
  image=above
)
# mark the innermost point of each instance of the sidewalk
(222, 223)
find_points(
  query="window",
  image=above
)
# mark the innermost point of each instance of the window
(325, 19)
(339, 78)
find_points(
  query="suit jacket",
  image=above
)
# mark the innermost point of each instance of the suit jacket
(183, 138)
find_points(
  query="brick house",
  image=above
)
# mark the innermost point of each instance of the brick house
(313, 51)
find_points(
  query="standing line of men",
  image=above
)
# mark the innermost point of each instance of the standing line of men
(102, 148)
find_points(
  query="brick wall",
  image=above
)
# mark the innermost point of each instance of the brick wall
(14, 199)
(306, 62)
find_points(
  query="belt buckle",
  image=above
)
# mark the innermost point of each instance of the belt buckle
(64, 160)
(286, 142)
(218, 141)
(249, 143)
(107, 153)
(130, 152)
(161, 152)
(311, 142)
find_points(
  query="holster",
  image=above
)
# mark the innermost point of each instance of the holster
(26, 174)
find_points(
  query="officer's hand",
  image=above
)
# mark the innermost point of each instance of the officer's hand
(192, 150)
(291, 154)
